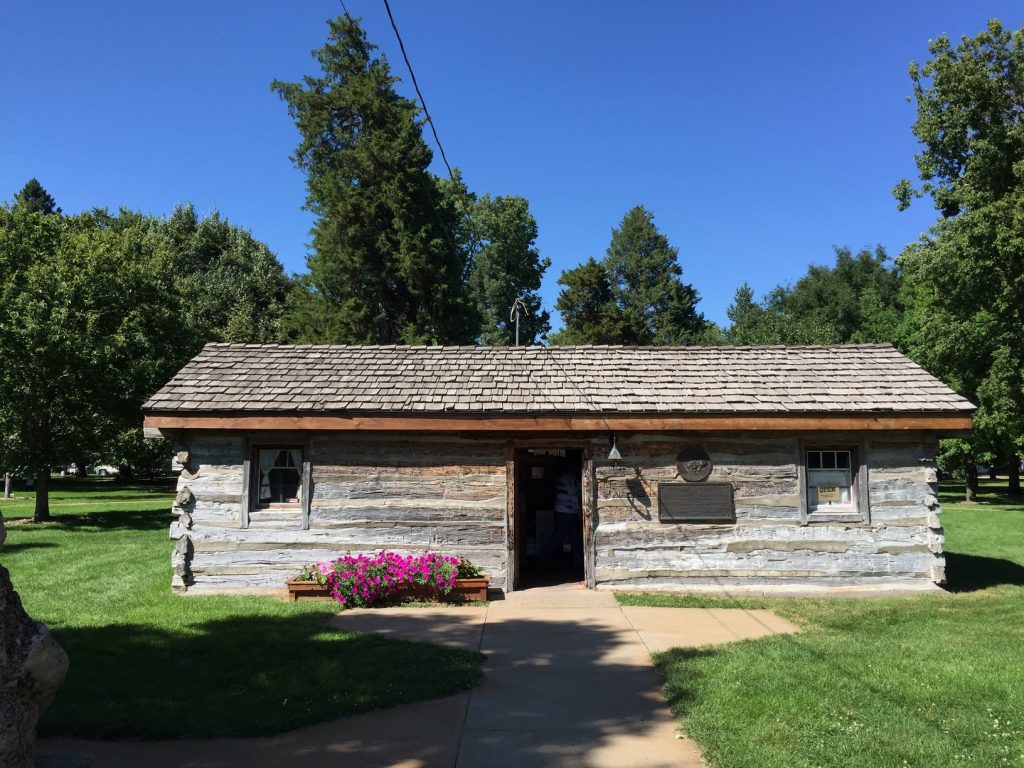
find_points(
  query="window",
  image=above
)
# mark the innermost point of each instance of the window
(829, 481)
(278, 476)
(835, 484)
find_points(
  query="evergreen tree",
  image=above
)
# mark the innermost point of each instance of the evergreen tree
(635, 296)
(748, 326)
(385, 267)
(36, 199)
(858, 297)
(590, 314)
(646, 278)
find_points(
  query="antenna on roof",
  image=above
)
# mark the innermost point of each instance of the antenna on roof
(518, 309)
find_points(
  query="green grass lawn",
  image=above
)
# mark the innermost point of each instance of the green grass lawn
(918, 681)
(911, 681)
(146, 663)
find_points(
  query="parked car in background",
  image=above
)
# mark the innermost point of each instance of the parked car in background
(103, 470)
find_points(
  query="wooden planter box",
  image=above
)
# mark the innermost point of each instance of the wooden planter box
(464, 590)
(470, 589)
(298, 588)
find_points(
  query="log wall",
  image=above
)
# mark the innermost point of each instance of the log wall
(770, 547)
(408, 495)
(449, 494)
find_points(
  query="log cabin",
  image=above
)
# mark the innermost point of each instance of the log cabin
(768, 470)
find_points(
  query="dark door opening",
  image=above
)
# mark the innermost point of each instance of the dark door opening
(550, 540)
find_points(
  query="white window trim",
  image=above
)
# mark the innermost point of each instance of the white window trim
(861, 507)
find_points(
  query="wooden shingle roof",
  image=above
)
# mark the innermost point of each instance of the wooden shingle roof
(538, 381)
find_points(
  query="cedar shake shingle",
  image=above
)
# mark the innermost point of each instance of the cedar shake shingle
(865, 378)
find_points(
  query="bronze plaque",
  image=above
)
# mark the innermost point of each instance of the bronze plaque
(703, 503)
(694, 464)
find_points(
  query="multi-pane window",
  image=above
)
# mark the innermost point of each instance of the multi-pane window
(279, 476)
(830, 480)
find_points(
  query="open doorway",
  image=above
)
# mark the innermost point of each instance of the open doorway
(549, 539)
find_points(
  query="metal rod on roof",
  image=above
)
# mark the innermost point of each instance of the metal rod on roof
(518, 308)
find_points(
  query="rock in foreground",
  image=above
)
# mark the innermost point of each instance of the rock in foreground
(32, 668)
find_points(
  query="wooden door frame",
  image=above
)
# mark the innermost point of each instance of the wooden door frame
(515, 498)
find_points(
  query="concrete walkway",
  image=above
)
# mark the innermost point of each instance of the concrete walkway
(568, 681)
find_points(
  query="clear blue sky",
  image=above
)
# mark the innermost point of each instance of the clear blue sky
(760, 134)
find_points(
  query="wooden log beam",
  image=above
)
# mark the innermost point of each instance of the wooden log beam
(948, 424)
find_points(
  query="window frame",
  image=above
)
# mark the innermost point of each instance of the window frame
(251, 479)
(257, 481)
(859, 498)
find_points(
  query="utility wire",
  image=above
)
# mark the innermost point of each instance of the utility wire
(429, 195)
(416, 85)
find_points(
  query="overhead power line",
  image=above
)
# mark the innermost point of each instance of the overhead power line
(416, 85)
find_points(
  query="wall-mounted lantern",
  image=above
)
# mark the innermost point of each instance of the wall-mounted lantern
(613, 454)
(616, 471)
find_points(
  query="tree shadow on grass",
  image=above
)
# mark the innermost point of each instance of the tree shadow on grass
(676, 666)
(969, 573)
(557, 691)
(242, 676)
(120, 498)
(115, 519)
(10, 548)
(93, 484)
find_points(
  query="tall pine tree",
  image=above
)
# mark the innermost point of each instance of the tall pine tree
(34, 197)
(590, 314)
(640, 299)
(385, 267)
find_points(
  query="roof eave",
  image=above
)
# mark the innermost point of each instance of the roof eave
(945, 423)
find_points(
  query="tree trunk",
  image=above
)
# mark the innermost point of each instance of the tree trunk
(42, 513)
(80, 463)
(7, 486)
(992, 471)
(1013, 488)
(970, 480)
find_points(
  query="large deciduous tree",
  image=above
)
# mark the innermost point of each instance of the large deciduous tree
(965, 277)
(857, 299)
(385, 267)
(87, 329)
(33, 197)
(635, 295)
(506, 265)
(755, 323)
(233, 286)
(98, 310)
